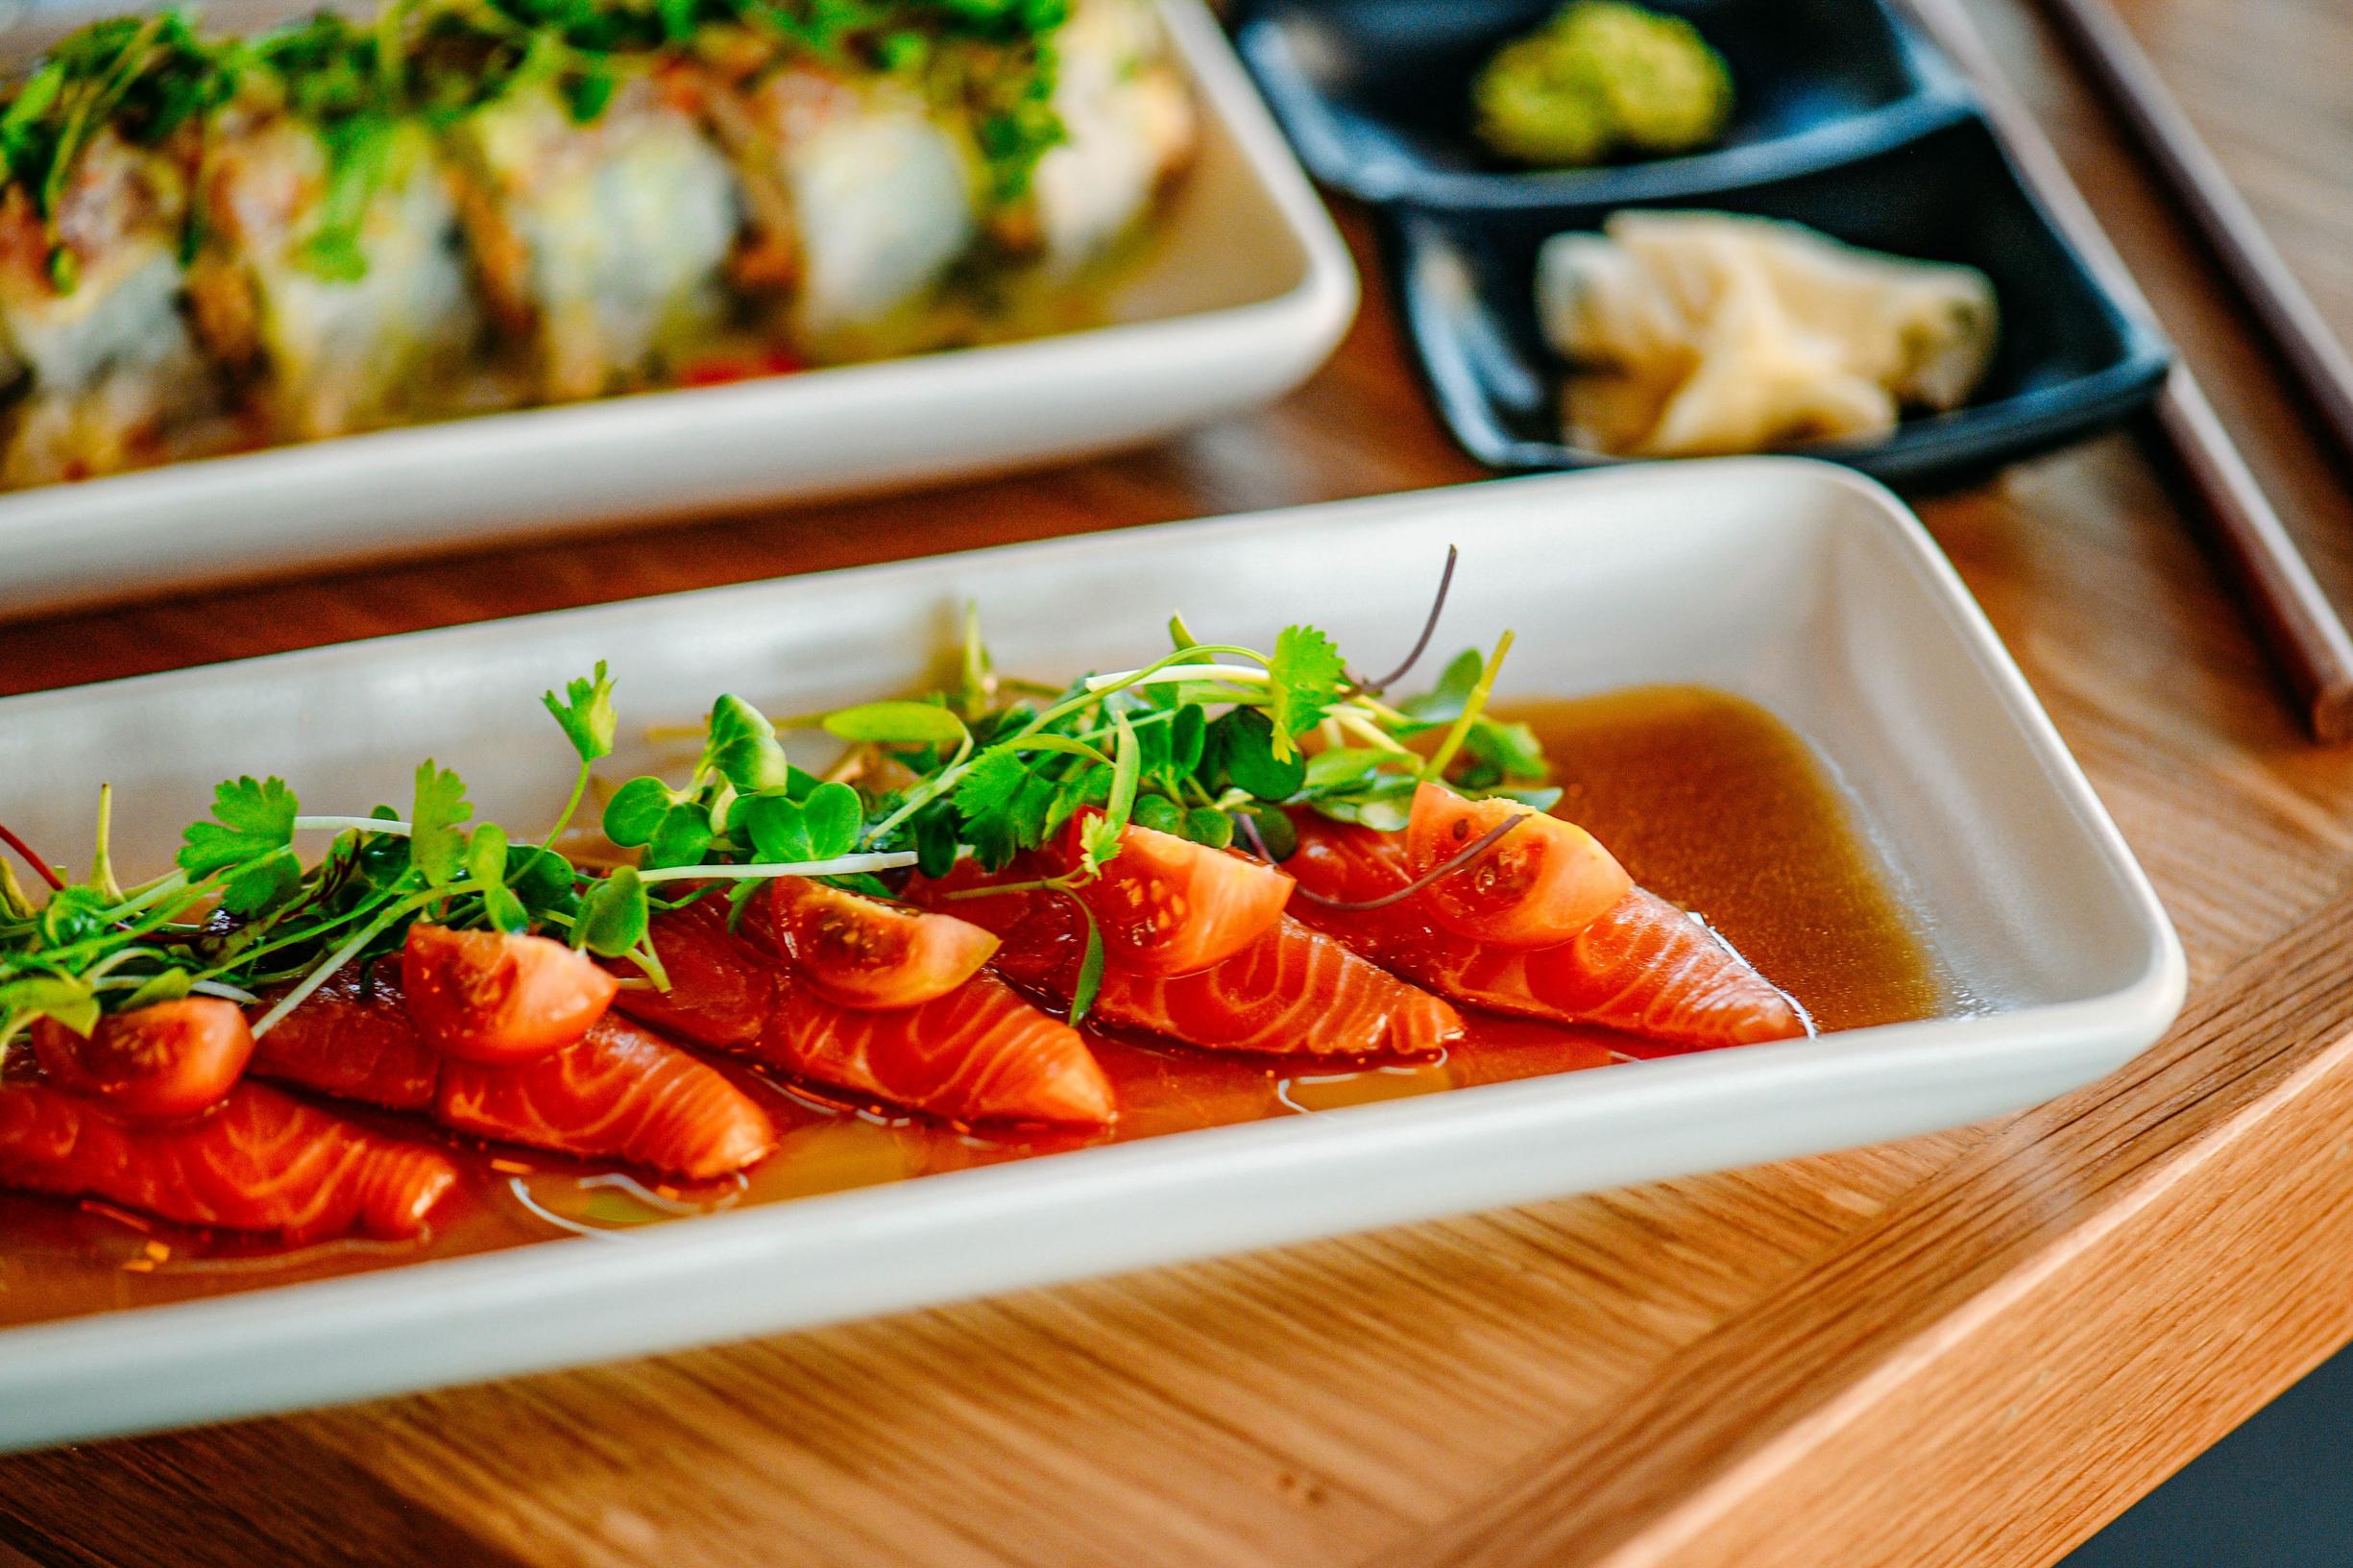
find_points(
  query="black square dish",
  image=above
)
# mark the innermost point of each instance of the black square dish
(1375, 94)
(2068, 359)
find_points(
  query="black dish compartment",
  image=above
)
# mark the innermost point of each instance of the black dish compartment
(2069, 359)
(1375, 94)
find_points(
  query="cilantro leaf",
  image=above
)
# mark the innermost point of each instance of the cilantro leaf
(263, 884)
(1305, 676)
(1006, 806)
(436, 843)
(1075, 793)
(585, 710)
(988, 787)
(252, 819)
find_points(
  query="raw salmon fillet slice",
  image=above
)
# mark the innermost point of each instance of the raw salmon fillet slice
(259, 1161)
(1294, 991)
(979, 1054)
(353, 1041)
(1645, 967)
(721, 993)
(619, 1091)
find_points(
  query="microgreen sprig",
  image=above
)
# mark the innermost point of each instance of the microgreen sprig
(241, 914)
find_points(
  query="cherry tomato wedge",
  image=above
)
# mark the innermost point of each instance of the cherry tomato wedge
(491, 997)
(1167, 906)
(858, 952)
(159, 1063)
(1542, 885)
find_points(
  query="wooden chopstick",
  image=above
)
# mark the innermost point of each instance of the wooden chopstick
(2299, 334)
(2295, 617)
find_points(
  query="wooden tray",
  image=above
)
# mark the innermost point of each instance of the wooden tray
(1968, 1350)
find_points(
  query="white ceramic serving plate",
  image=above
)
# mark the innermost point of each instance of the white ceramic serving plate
(1795, 583)
(1245, 291)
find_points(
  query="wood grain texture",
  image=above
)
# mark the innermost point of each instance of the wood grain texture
(1971, 1349)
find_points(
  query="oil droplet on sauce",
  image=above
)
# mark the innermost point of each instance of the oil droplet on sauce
(1707, 799)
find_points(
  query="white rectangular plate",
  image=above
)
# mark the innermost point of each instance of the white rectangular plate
(1795, 583)
(1245, 290)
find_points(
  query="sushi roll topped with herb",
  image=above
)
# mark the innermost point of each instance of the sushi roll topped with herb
(327, 273)
(209, 243)
(101, 143)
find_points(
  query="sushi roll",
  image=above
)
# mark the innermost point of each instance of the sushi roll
(329, 278)
(861, 195)
(100, 367)
(602, 240)
(347, 224)
(1128, 125)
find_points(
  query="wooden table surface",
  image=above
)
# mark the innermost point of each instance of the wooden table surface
(1968, 1349)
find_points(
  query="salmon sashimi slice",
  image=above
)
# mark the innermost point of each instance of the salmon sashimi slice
(619, 1091)
(722, 993)
(353, 1039)
(1293, 991)
(1644, 966)
(978, 1053)
(259, 1161)
(626, 1094)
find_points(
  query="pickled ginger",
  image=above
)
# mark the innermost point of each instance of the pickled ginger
(1693, 334)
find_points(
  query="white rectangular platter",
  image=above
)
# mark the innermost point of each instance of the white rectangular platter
(1244, 291)
(1797, 584)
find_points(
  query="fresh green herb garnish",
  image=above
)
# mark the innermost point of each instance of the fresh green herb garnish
(241, 916)
(1211, 742)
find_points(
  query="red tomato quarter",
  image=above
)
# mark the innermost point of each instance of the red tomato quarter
(1545, 882)
(159, 1063)
(858, 952)
(491, 997)
(1168, 905)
